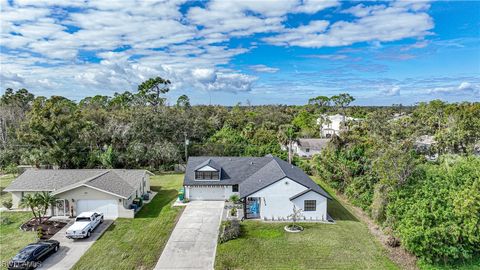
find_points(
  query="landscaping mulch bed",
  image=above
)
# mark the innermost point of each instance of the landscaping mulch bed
(49, 227)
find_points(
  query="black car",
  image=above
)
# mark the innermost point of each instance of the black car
(32, 255)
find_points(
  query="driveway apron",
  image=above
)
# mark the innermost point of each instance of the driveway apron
(71, 250)
(193, 242)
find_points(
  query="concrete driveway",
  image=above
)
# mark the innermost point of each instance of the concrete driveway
(193, 242)
(71, 250)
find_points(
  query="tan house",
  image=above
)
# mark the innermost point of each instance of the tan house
(110, 191)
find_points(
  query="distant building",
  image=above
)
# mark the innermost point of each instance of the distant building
(333, 124)
(308, 147)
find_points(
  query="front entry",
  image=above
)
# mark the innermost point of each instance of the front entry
(252, 207)
(61, 208)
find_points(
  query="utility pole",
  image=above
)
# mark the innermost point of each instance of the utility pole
(187, 142)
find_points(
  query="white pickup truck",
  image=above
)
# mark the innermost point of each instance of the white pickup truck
(84, 224)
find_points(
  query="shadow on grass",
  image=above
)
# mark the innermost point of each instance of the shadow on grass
(162, 199)
(338, 212)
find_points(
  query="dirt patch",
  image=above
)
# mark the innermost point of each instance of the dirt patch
(399, 255)
(49, 228)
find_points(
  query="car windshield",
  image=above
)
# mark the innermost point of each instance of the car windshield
(83, 219)
(25, 253)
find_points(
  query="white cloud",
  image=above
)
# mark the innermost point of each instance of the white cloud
(393, 91)
(463, 87)
(263, 69)
(376, 24)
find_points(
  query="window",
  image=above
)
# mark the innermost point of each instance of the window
(235, 188)
(207, 175)
(309, 205)
(307, 150)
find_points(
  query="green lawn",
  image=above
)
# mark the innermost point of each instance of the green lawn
(345, 245)
(5, 180)
(137, 243)
(12, 239)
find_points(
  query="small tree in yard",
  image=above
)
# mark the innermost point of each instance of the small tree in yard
(295, 216)
(30, 201)
(38, 203)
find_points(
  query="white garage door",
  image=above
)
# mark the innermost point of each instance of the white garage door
(109, 208)
(210, 193)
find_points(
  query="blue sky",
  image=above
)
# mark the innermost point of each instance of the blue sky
(225, 52)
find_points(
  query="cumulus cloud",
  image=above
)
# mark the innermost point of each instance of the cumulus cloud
(462, 88)
(263, 69)
(392, 91)
(374, 24)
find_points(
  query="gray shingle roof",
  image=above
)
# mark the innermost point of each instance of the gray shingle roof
(119, 182)
(211, 163)
(316, 144)
(252, 173)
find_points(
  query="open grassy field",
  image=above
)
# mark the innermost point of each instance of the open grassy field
(137, 243)
(345, 245)
(12, 239)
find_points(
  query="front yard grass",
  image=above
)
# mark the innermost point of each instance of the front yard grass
(137, 243)
(344, 245)
(12, 239)
(5, 180)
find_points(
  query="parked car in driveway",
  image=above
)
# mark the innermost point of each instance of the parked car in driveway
(84, 225)
(31, 256)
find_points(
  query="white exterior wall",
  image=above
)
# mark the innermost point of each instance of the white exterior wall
(320, 213)
(302, 151)
(86, 193)
(220, 193)
(275, 199)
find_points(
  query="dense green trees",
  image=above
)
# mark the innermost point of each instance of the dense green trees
(433, 206)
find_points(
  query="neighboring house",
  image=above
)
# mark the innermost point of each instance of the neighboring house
(307, 147)
(268, 186)
(425, 144)
(332, 124)
(110, 191)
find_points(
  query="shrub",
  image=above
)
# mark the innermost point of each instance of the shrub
(234, 198)
(229, 230)
(436, 214)
(5, 221)
(7, 203)
(233, 212)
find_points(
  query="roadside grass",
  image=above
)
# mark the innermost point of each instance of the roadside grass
(12, 239)
(344, 245)
(137, 243)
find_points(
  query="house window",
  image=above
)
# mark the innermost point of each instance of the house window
(307, 150)
(235, 188)
(207, 175)
(309, 205)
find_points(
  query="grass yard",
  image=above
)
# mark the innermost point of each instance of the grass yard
(137, 243)
(12, 239)
(5, 180)
(345, 245)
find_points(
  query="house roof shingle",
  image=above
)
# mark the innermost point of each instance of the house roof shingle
(254, 173)
(116, 181)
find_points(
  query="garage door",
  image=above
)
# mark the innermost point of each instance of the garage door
(109, 208)
(210, 193)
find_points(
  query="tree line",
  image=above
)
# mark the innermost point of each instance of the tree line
(428, 198)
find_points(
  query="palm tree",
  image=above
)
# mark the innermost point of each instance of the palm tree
(45, 200)
(30, 201)
(287, 134)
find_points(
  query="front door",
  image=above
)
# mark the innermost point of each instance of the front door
(61, 208)
(253, 207)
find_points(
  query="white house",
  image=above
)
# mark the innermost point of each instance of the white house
(268, 186)
(332, 124)
(307, 147)
(110, 191)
